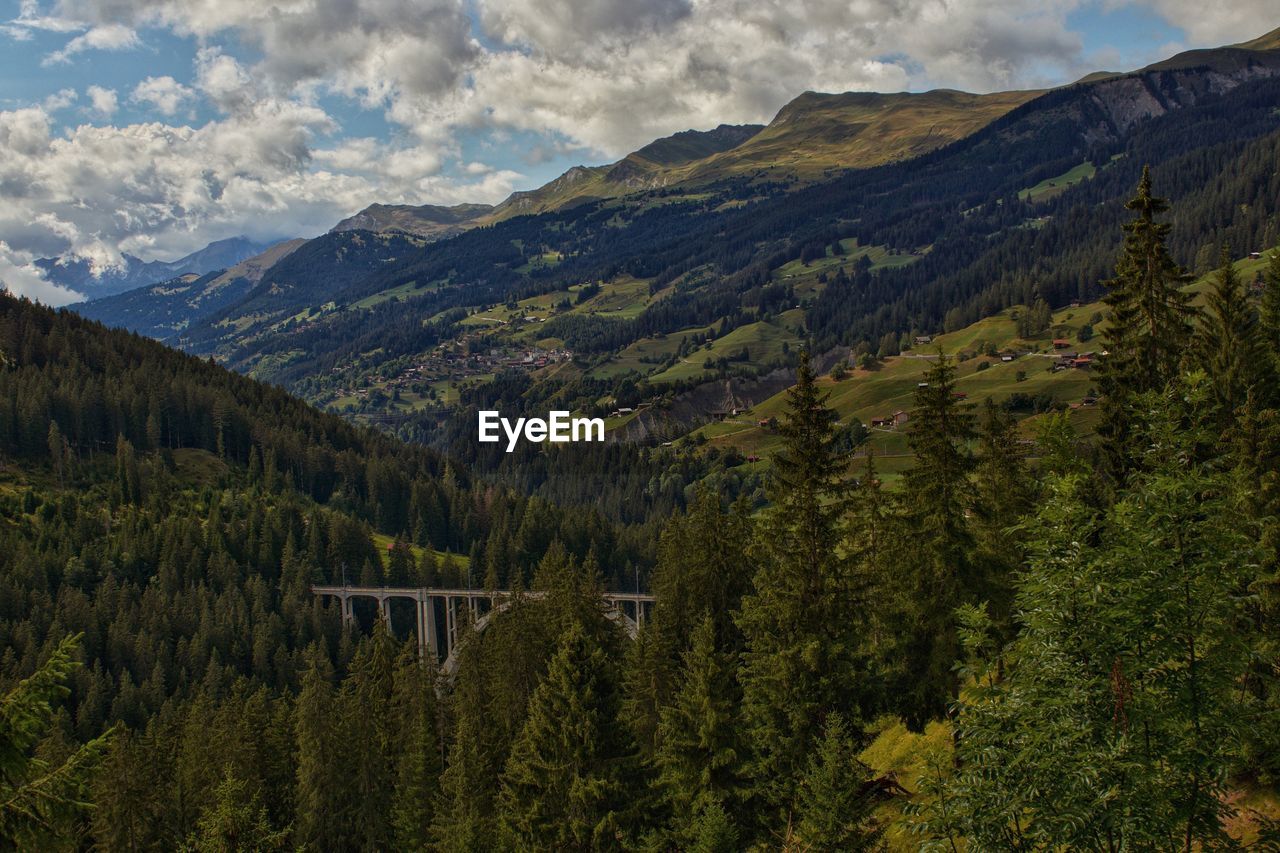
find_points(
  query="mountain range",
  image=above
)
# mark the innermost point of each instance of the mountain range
(703, 260)
(79, 275)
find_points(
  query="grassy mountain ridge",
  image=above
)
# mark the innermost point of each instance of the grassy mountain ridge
(426, 220)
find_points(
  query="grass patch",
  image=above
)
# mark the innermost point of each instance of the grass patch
(1050, 187)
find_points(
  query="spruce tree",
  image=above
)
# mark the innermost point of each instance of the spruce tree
(39, 801)
(700, 757)
(802, 621)
(464, 810)
(416, 751)
(1270, 307)
(564, 786)
(236, 821)
(1120, 713)
(703, 568)
(323, 798)
(1003, 494)
(1149, 324)
(365, 704)
(837, 797)
(940, 572)
(1229, 344)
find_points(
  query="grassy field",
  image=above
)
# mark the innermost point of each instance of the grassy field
(383, 542)
(764, 343)
(1050, 187)
(805, 277)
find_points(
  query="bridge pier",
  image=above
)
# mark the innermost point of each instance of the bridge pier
(628, 609)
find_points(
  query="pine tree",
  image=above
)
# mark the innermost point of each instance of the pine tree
(365, 705)
(1270, 307)
(941, 572)
(564, 784)
(464, 818)
(1149, 325)
(416, 750)
(1004, 491)
(837, 798)
(700, 757)
(39, 802)
(322, 797)
(802, 623)
(235, 822)
(703, 568)
(1229, 343)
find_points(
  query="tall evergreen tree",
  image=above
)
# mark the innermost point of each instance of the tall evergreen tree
(1270, 308)
(1117, 722)
(464, 811)
(940, 570)
(1003, 494)
(565, 783)
(365, 705)
(701, 758)
(837, 796)
(703, 568)
(236, 821)
(1149, 324)
(323, 798)
(416, 751)
(1229, 344)
(802, 621)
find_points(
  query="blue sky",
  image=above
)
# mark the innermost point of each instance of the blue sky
(154, 126)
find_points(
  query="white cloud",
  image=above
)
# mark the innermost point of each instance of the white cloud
(21, 278)
(224, 81)
(165, 94)
(105, 37)
(1224, 23)
(161, 190)
(104, 101)
(598, 79)
(60, 100)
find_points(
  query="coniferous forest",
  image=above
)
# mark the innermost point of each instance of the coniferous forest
(1069, 647)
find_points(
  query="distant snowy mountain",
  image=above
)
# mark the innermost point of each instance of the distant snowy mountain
(78, 276)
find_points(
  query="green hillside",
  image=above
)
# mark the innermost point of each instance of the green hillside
(889, 386)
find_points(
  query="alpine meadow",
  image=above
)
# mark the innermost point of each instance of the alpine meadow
(413, 437)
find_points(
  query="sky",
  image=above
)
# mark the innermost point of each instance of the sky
(153, 127)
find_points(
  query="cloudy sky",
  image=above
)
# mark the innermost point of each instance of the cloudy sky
(155, 126)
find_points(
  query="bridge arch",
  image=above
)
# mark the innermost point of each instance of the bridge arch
(450, 666)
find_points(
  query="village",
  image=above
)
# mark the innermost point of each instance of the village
(449, 362)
